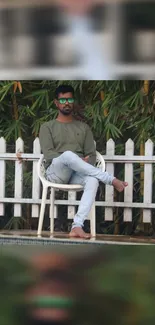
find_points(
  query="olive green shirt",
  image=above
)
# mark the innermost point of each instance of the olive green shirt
(57, 137)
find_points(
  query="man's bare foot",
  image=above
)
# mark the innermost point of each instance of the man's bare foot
(119, 185)
(79, 233)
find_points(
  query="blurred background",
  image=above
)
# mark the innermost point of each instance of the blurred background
(94, 39)
(112, 284)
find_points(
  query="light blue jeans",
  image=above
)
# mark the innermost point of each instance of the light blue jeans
(69, 168)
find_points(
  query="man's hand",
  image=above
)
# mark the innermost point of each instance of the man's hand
(119, 185)
(86, 158)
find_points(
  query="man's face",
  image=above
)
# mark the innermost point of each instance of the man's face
(65, 103)
(45, 314)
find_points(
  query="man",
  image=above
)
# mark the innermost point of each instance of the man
(70, 155)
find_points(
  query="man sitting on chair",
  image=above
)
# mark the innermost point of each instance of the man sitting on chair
(70, 156)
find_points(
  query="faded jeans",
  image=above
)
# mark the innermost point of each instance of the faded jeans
(69, 168)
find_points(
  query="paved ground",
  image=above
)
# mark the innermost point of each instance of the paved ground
(25, 244)
(63, 237)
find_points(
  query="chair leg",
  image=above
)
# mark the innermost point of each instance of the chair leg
(93, 220)
(42, 211)
(52, 211)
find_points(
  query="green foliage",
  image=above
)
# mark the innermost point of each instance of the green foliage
(122, 286)
(126, 118)
(15, 278)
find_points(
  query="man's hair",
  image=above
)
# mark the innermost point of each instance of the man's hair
(64, 89)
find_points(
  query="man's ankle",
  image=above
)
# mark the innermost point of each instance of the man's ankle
(76, 225)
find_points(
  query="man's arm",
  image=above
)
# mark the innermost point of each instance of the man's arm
(89, 147)
(46, 143)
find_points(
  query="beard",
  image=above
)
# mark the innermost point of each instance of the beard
(67, 110)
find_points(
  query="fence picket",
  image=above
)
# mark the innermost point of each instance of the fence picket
(18, 179)
(2, 174)
(71, 208)
(109, 190)
(35, 179)
(148, 182)
(128, 193)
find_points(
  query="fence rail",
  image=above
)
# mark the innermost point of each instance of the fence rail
(128, 160)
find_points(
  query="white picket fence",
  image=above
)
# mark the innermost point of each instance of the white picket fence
(110, 158)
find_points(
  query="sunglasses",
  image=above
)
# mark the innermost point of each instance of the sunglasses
(64, 100)
(52, 302)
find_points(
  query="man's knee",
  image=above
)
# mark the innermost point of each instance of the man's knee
(69, 154)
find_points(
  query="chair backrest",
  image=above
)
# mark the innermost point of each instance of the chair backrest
(41, 168)
(100, 163)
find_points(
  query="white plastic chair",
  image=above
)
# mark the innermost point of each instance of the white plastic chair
(100, 163)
